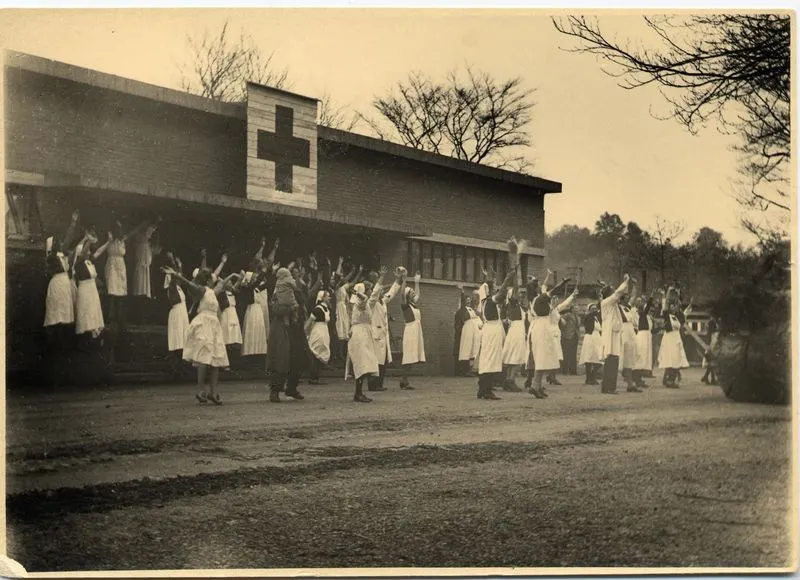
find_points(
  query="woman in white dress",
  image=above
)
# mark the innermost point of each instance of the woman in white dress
(515, 347)
(143, 259)
(319, 337)
(592, 348)
(205, 347)
(671, 354)
(361, 343)
(413, 339)
(490, 353)
(543, 346)
(343, 289)
(555, 319)
(88, 312)
(470, 340)
(116, 274)
(228, 317)
(253, 295)
(643, 319)
(59, 318)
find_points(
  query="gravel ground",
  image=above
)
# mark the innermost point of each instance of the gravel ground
(140, 479)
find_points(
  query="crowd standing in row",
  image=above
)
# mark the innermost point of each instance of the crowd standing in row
(292, 313)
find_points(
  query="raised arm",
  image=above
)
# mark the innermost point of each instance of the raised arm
(273, 252)
(376, 289)
(546, 282)
(395, 288)
(621, 289)
(69, 235)
(554, 290)
(500, 295)
(568, 301)
(135, 231)
(203, 259)
(102, 249)
(238, 283)
(221, 265)
(347, 279)
(196, 290)
(417, 278)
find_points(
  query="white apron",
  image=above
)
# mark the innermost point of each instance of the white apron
(543, 345)
(361, 345)
(413, 341)
(515, 348)
(178, 324)
(229, 321)
(628, 357)
(254, 341)
(380, 333)
(592, 348)
(116, 272)
(644, 349)
(470, 337)
(319, 339)
(204, 344)
(671, 354)
(60, 302)
(555, 317)
(490, 355)
(88, 312)
(342, 314)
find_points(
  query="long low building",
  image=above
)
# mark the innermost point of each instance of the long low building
(224, 174)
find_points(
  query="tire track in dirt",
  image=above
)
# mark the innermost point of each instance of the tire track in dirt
(36, 506)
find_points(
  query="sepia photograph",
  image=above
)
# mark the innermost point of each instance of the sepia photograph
(399, 291)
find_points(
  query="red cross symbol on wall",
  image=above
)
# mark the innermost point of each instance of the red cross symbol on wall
(283, 148)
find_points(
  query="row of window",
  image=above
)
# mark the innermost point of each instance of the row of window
(437, 261)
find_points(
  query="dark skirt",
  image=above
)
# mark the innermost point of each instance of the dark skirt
(299, 351)
(279, 348)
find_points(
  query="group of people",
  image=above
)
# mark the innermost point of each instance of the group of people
(298, 316)
(290, 312)
(502, 330)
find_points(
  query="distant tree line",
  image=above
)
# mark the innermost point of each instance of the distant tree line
(704, 265)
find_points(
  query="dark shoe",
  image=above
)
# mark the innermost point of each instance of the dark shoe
(216, 399)
(274, 397)
(537, 393)
(704, 380)
(511, 387)
(491, 396)
(406, 387)
(201, 397)
(672, 386)
(481, 395)
(593, 382)
(362, 399)
(294, 394)
(634, 389)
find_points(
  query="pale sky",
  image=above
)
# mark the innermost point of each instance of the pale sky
(597, 139)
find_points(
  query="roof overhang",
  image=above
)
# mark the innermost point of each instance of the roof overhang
(72, 181)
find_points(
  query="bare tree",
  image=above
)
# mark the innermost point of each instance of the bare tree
(332, 115)
(734, 68)
(661, 237)
(220, 67)
(470, 115)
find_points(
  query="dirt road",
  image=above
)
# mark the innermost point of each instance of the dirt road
(143, 478)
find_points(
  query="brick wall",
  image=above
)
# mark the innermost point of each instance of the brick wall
(368, 183)
(66, 127)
